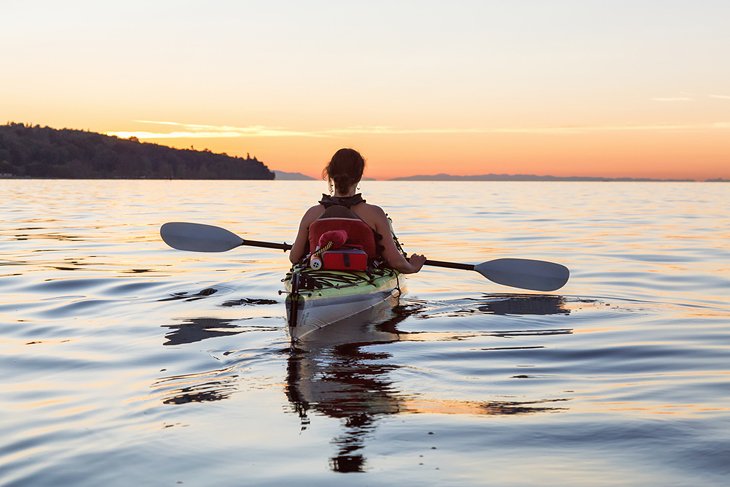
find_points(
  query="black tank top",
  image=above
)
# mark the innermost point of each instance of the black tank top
(346, 201)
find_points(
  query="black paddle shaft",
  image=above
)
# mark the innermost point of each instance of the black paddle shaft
(285, 247)
(450, 265)
(267, 245)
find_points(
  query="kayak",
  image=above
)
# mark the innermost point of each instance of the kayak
(319, 298)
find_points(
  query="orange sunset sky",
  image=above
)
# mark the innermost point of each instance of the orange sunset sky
(635, 88)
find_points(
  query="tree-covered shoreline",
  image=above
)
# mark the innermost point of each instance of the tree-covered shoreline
(32, 151)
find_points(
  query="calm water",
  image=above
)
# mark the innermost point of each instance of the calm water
(124, 362)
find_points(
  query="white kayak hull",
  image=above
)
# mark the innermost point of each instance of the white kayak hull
(312, 310)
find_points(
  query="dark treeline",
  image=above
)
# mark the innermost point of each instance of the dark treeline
(43, 152)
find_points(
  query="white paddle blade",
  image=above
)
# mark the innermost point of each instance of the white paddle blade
(536, 275)
(198, 237)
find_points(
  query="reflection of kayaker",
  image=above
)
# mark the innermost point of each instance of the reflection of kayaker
(340, 376)
(335, 375)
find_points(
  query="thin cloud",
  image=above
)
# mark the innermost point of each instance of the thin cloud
(607, 128)
(567, 129)
(720, 97)
(576, 129)
(200, 131)
(672, 99)
(175, 135)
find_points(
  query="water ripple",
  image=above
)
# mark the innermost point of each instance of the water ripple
(117, 351)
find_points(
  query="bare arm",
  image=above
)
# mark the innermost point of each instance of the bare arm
(299, 248)
(391, 254)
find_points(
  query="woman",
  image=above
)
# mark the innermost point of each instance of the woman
(345, 171)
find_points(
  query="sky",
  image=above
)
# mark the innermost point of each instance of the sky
(636, 88)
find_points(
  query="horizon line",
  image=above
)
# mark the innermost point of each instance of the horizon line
(516, 177)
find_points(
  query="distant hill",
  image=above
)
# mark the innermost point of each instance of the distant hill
(522, 177)
(292, 176)
(44, 152)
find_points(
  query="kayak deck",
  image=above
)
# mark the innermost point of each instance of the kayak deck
(318, 298)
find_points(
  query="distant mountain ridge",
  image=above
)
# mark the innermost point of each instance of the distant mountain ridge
(291, 176)
(523, 177)
(44, 152)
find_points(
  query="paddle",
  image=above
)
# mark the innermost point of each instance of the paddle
(208, 238)
(536, 275)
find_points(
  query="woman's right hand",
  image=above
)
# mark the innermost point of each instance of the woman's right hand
(416, 261)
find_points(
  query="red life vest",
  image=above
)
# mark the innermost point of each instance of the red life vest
(338, 216)
(359, 233)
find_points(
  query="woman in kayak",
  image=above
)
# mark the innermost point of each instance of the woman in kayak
(344, 172)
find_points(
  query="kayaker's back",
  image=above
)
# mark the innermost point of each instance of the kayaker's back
(344, 173)
(336, 217)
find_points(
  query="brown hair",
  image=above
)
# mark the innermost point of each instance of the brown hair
(345, 169)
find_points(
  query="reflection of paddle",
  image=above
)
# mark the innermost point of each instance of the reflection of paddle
(537, 275)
